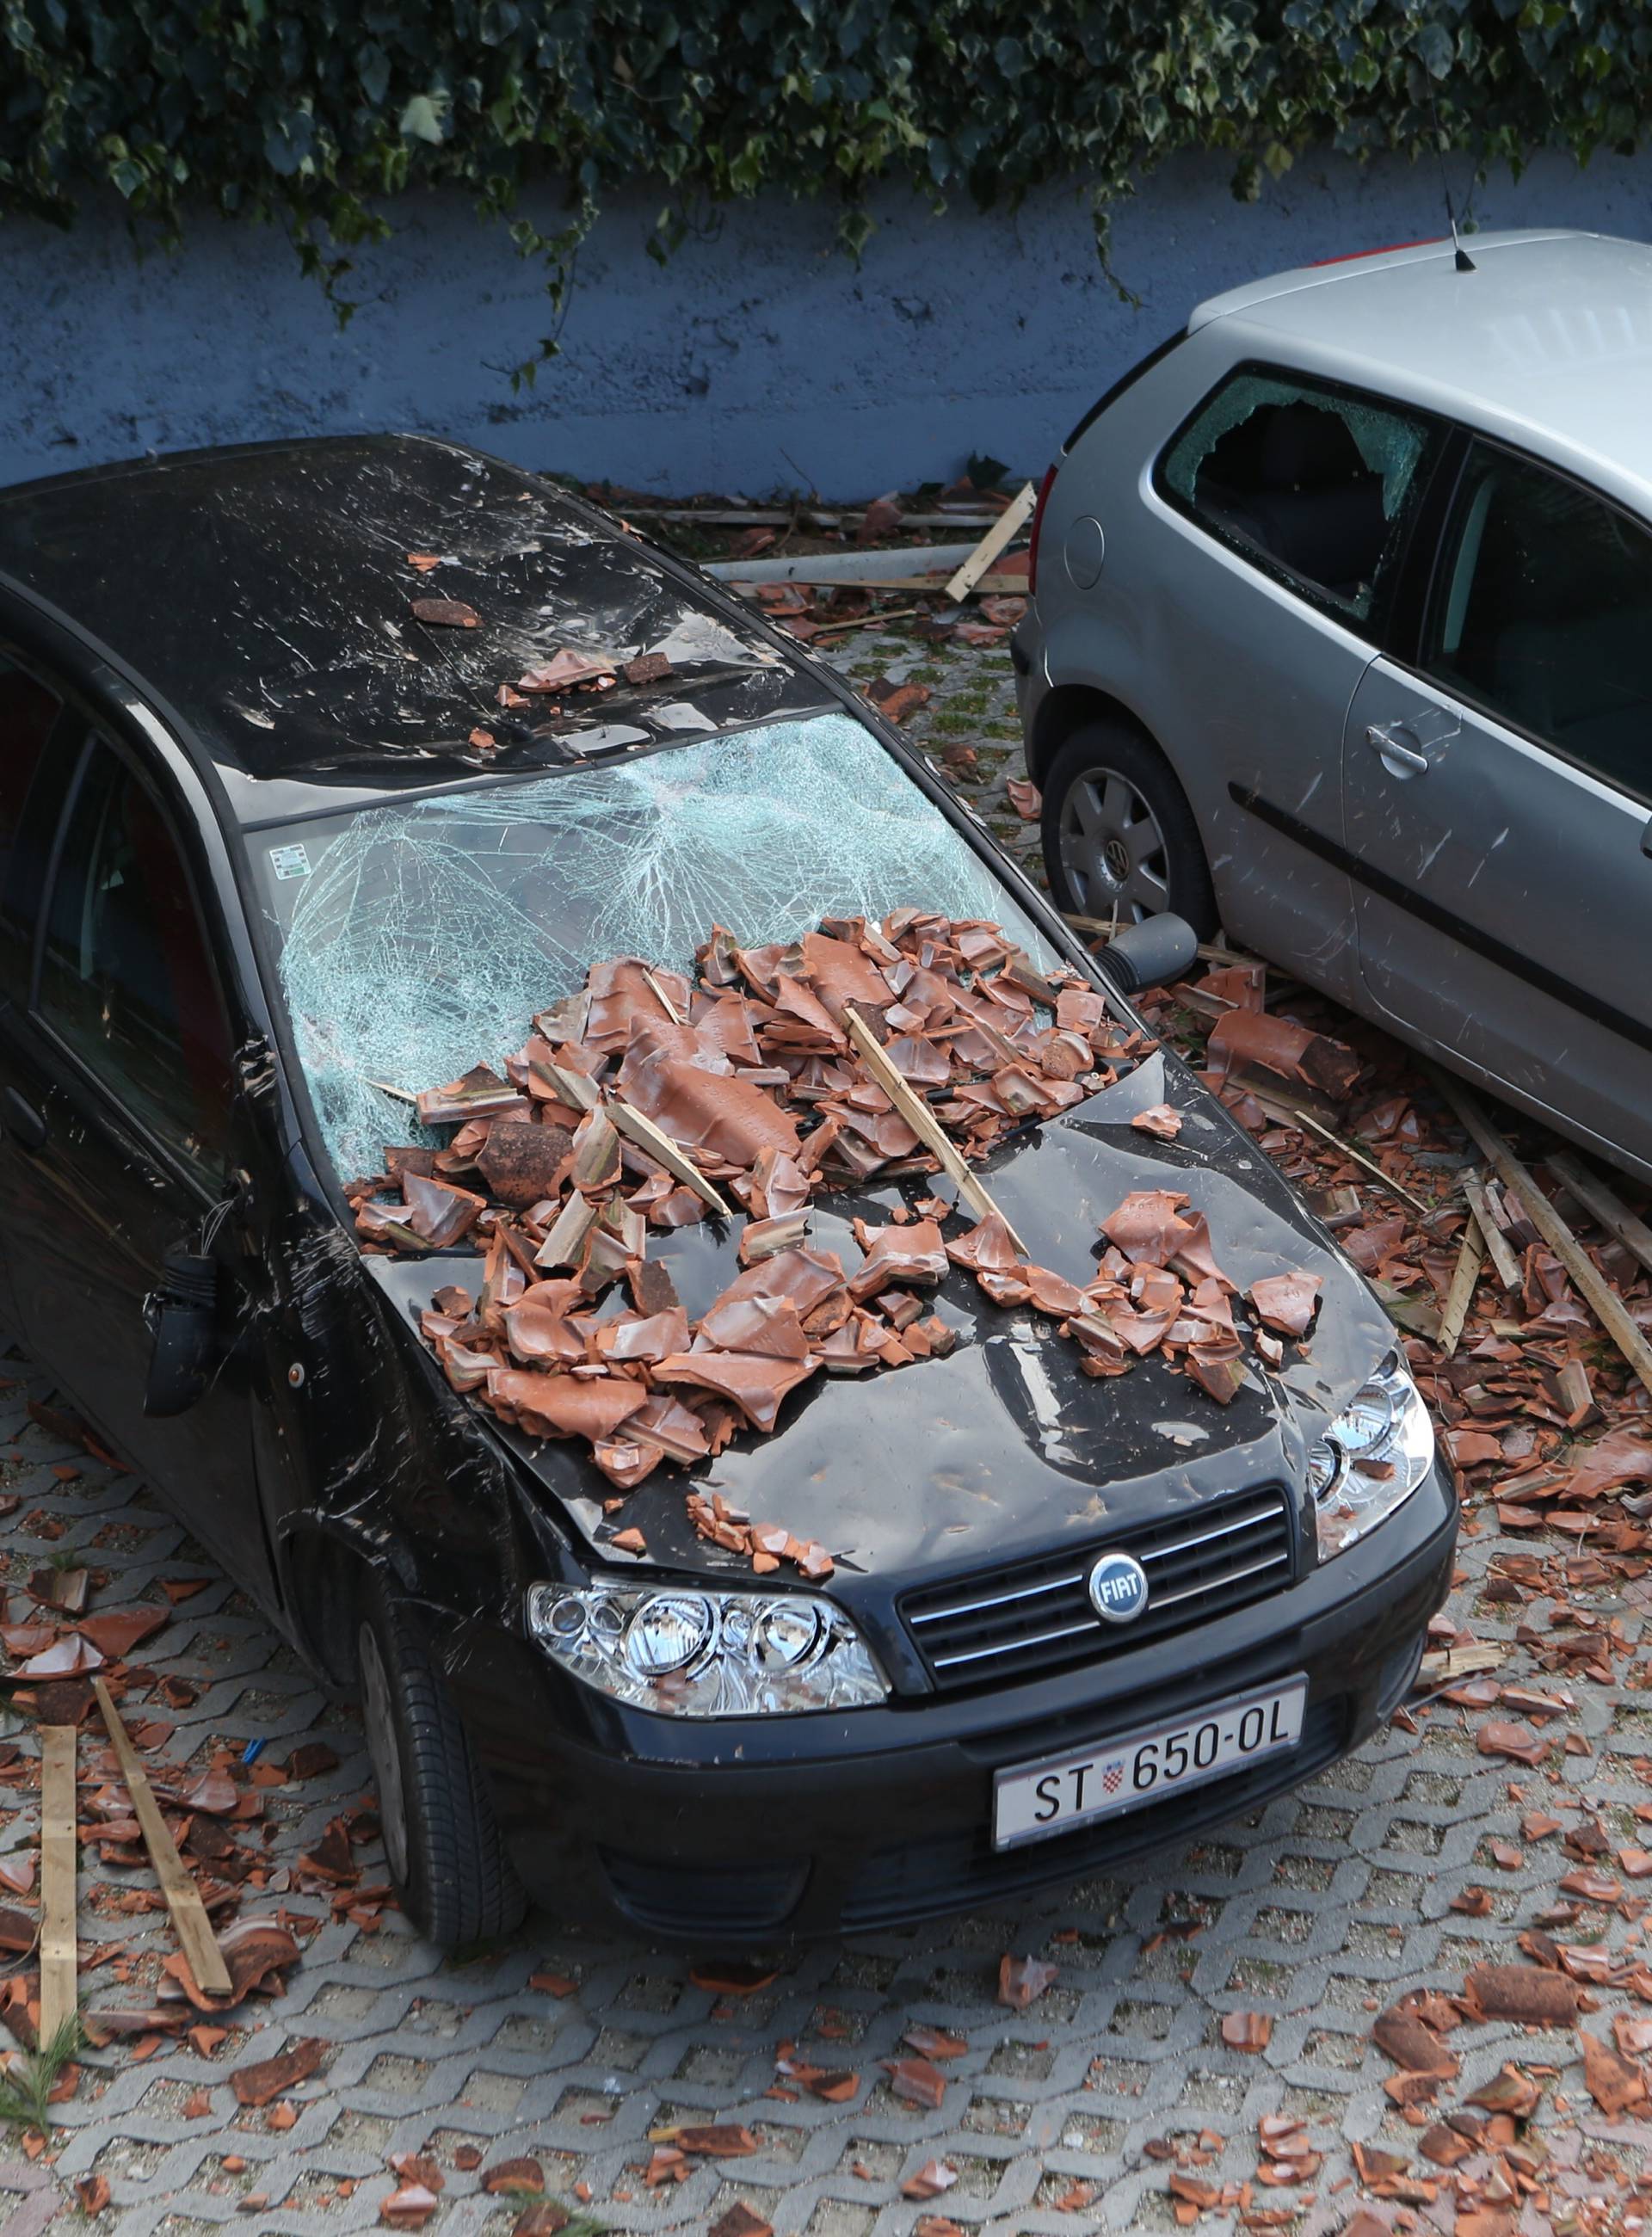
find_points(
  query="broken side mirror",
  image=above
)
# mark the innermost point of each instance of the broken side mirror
(1151, 953)
(182, 1316)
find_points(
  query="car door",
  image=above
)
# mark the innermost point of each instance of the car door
(119, 1145)
(35, 738)
(1497, 788)
(1293, 499)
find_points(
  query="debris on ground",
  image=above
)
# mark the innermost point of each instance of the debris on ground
(1529, 1345)
(157, 1841)
(819, 571)
(1021, 1981)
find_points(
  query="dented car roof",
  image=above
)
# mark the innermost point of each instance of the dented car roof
(266, 591)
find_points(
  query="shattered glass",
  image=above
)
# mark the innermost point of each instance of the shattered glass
(419, 938)
(1390, 445)
(1302, 507)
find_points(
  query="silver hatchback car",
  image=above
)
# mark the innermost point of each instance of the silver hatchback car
(1341, 638)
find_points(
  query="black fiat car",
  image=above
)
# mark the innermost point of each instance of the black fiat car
(327, 771)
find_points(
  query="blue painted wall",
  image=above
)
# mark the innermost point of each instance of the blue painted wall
(758, 359)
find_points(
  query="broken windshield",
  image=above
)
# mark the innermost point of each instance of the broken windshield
(417, 938)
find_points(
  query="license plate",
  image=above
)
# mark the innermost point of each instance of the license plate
(1051, 1796)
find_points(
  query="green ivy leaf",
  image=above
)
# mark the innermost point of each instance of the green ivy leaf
(422, 118)
(313, 115)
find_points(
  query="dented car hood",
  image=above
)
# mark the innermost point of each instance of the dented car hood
(1004, 1446)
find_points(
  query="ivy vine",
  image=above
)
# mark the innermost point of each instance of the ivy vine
(316, 115)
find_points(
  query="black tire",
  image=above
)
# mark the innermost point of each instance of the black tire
(1076, 780)
(449, 1866)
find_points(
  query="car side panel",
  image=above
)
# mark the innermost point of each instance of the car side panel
(1504, 906)
(1243, 685)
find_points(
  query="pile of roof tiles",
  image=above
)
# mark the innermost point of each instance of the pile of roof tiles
(636, 1102)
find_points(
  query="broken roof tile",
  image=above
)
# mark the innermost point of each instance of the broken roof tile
(568, 1405)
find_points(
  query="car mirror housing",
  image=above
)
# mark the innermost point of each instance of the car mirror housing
(183, 1318)
(1151, 953)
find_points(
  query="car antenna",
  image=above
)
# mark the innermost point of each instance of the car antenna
(1460, 255)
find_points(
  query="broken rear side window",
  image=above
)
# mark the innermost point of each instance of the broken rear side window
(417, 939)
(1314, 482)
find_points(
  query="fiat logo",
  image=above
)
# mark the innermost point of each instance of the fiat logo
(1118, 1588)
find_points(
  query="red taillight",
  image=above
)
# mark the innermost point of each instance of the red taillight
(1044, 489)
(1388, 248)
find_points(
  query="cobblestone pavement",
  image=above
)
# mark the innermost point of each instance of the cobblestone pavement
(1311, 1911)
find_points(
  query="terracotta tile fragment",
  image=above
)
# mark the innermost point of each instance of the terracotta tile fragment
(740, 2220)
(1021, 1981)
(445, 613)
(1614, 2081)
(1246, 2030)
(257, 2085)
(916, 2081)
(520, 2177)
(1161, 1119)
(409, 2208)
(1525, 1994)
(930, 2181)
(1287, 1302)
(1289, 1051)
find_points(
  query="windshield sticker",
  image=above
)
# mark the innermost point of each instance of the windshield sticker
(289, 861)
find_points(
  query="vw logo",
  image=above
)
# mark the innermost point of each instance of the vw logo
(1118, 1588)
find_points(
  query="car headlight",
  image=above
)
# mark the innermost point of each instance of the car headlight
(691, 1653)
(1370, 1459)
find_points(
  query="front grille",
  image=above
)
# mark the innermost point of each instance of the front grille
(929, 1879)
(693, 1899)
(1036, 1615)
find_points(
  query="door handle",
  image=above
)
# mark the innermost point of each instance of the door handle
(1645, 837)
(1383, 739)
(22, 1121)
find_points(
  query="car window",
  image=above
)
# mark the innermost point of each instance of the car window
(1544, 614)
(1315, 484)
(126, 979)
(28, 711)
(415, 937)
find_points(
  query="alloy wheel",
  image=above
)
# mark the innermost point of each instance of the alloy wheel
(1112, 849)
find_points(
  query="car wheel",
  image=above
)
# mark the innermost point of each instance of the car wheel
(441, 1844)
(1119, 834)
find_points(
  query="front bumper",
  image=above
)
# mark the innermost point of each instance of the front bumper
(751, 1833)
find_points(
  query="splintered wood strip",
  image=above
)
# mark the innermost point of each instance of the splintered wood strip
(399, 1094)
(189, 1921)
(1603, 1301)
(1003, 531)
(661, 996)
(923, 1121)
(1613, 1214)
(806, 578)
(659, 1145)
(1492, 1235)
(1369, 1164)
(59, 1992)
(1460, 1296)
(868, 621)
